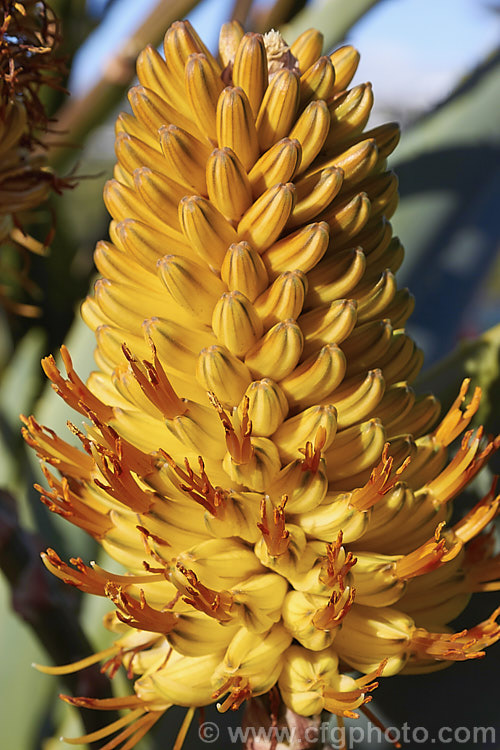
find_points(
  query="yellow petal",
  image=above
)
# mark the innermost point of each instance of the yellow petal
(236, 323)
(283, 299)
(250, 69)
(278, 108)
(221, 372)
(236, 126)
(227, 183)
(243, 269)
(278, 351)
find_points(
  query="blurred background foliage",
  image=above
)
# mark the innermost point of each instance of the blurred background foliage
(449, 170)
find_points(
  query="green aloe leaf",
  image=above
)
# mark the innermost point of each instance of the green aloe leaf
(448, 167)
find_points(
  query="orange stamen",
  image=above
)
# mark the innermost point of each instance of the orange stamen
(337, 564)
(239, 691)
(239, 445)
(456, 420)
(330, 616)
(429, 556)
(199, 488)
(72, 389)
(139, 614)
(380, 482)
(312, 455)
(216, 604)
(276, 535)
(155, 384)
(466, 644)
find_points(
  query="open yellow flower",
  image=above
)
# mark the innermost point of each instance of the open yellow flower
(253, 454)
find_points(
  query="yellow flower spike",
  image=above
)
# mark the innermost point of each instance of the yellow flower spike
(203, 87)
(300, 250)
(349, 113)
(316, 82)
(334, 322)
(243, 269)
(206, 229)
(314, 380)
(251, 256)
(320, 193)
(335, 277)
(278, 109)
(347, 219)
(220, 371)
(276, 165)
(295, 431)
(358, 398)
(354, 450)
(236, 126)
(227, 184)
(264, 221)
(267, 406)
(366, 345)
(179, 147)
(277, 352)
(283, 299)
(236, 323)
(160, 194)
(345, 63)
(230, 36)
(250, 69)
(190, 285)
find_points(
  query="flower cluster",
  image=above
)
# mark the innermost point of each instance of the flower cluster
(29, 36)
(253, 454)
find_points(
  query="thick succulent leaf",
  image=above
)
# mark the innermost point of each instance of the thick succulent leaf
(448, 219)
(26, 696)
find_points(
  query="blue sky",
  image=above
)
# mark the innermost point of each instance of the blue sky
(413, 51)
